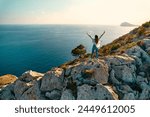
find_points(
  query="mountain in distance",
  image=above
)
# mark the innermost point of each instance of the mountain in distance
(127, 24)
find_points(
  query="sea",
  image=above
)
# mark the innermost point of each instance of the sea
(42, 47)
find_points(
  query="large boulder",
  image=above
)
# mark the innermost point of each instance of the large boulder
(99, 92)
(32, 93)
(19, 88)
(125, 73)
(67, 95)
(140, 53)
(140, 80)
(53, 95)
(112, 78)
(145, 95)
(129, 96)
(91, 69)
(123, 90)
(7, 93)
(144, 86)
(52, 80)
(30, 76)
(101, 72)
(122, 68)
(146, 44)
(117, 60)
(79, 50)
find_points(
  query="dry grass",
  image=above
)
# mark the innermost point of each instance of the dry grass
(126, 41)
(7, 79)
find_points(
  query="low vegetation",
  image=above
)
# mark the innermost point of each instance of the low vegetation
(127, 41)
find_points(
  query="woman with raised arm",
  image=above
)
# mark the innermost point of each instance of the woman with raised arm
(96, 44)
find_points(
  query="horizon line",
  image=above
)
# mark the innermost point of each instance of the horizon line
(55, 24)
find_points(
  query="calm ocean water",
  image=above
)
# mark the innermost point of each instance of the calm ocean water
(41, 47)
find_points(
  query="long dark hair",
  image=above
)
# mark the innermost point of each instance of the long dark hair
(96, 39)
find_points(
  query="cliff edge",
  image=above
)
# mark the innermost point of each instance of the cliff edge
(122, 72)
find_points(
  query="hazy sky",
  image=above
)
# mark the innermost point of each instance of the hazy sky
(106, 12)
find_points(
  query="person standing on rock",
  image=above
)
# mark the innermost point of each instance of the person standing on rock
(96, 44)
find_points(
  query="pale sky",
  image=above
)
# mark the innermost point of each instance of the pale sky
(104, 12)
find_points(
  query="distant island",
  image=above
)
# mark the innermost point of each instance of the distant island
(127, 24)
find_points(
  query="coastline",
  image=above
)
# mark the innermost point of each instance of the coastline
(122, 73)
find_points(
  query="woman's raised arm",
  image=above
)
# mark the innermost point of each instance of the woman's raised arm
(102, 35)
(89, 36)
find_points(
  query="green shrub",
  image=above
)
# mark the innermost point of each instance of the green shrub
(141, 31)
(146, 25)
(115, 46)
(127, 46)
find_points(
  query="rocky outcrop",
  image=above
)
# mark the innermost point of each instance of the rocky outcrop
(19, 88)
(53, 79)
(124, 77)
(67, 95)
(32, 93)
(91, 70)
(7, 79)
(79, 50)
(122, 73)
(98, 92)
(139, 53)
(7, 93)
(53, 95)
(30, 76)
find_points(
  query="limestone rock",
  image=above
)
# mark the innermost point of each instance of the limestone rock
(19, 88)
(92, 82)
(145, 95)
(117, 60)
(95, 69)
(53, 95)
(138, 61)
(146, 43)
(7, 79)
(129, 96)
(140, 80)
(30, 76)
(52, 80)
(146, 69)
(113, 79)
(32, 93)
(101, 73)
(141, 74)
(86, 92)
(87, 73)
(68, 70)
(7, 93)
(125, 73)
(143, 85)
(67, 95)
(79, 50)
(113, 93)
(140, 53)
(122, 90)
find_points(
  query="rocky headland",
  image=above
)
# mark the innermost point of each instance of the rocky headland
(122, 72)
